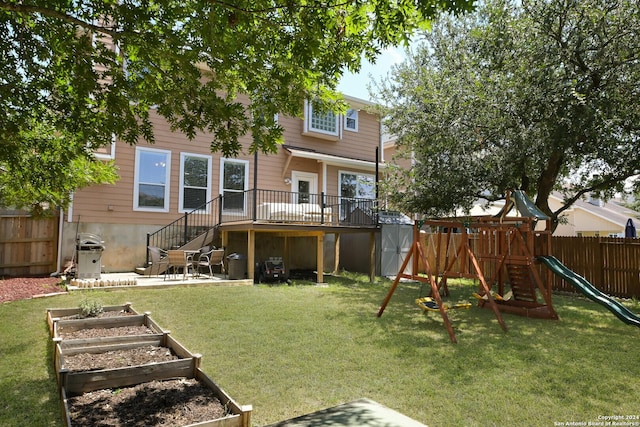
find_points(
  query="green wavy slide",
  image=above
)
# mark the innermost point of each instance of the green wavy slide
(590, 291)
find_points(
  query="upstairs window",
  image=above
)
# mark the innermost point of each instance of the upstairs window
(108, 152)
(151, 182)
(324, 122)
(351, 120)
(195, 181)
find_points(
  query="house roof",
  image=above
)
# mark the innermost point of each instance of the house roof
(358, 102)
(609, 211)
(330, 159)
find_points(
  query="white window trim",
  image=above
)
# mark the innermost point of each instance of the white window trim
(112, 151)
(341, 172)
(183, 157)
(308, 112)
(136, 182)
(356, 118)
(223, 160)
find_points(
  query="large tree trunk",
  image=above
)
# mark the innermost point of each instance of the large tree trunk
(546, 182)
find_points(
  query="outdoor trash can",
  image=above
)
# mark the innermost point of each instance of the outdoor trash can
(237, 266)
(89, 248)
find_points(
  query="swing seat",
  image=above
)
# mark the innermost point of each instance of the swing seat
(429, 304)
(495, 296)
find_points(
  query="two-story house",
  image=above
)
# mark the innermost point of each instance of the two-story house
(293, 204)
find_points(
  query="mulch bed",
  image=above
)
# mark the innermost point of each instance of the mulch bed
(16, 288)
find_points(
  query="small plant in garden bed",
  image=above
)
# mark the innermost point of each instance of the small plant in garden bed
(90, 308)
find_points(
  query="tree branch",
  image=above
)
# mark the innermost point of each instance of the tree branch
(31, 10)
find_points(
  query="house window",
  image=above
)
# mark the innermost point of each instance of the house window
(108, 152)
(355, 187)
(151, 182)
(195, 181)
(234, 182)
(351, 120)
(325, 122)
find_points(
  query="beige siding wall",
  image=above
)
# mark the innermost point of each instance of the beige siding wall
(114, 203)
(391, 155)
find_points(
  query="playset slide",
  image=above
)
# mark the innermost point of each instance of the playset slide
(590, 291)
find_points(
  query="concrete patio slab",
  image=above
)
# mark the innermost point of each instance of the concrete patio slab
(133, 280)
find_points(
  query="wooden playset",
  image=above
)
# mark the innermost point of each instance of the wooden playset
(499, 251)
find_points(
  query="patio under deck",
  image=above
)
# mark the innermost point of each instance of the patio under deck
(292, 229)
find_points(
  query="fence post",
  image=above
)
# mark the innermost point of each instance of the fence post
(599, 264)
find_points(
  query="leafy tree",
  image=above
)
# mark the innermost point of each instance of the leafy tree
(531, 95)
(89, 70)
(634, 202)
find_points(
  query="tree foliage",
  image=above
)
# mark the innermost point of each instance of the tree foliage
(531, 95)
(90, 70)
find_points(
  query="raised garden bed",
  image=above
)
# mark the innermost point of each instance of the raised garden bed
(99, 332)
(188, 401)
(56, 314)
(122, 364)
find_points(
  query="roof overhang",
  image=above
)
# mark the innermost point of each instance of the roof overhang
(331, 159)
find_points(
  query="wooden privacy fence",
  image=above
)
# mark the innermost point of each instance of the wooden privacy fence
(611, 264)
(28, 246)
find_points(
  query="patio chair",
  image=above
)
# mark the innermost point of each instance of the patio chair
(178, 259)
(210, 259)
(203, 250)
(157, 258)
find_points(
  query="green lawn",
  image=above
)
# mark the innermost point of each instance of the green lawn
(289, 350)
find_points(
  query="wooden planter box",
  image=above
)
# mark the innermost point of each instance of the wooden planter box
(56, 314)
(72, 325)
(96, 379)
(67, 326)
(240, 416)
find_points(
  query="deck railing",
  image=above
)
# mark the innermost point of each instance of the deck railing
(304, 208)
(266, 206)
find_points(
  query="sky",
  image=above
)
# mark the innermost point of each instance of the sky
(356, 84)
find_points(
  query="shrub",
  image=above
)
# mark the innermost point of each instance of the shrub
(90, 308)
